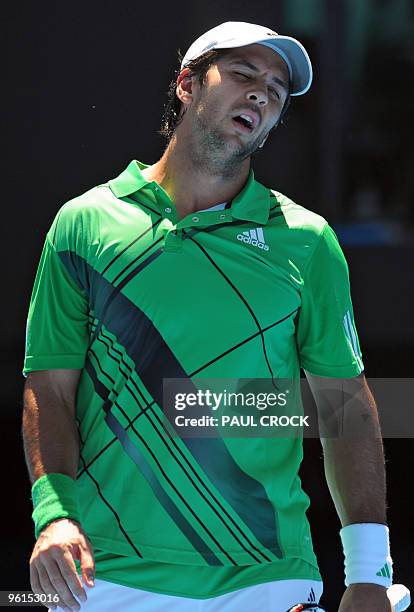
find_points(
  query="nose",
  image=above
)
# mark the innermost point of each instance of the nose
(258, 95)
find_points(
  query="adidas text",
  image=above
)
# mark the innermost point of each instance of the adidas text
(251, 237)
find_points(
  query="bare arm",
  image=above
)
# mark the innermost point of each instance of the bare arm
(49, 431)
(51, 445)
(355, 457)
(354, 467)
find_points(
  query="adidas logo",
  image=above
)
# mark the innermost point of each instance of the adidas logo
(384, 572)
(255, 237)
(312, 596)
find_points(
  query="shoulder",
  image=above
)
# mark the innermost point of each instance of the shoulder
(296, 216)
(300, 227)
(79, 219)
(306, 235)
(86, 203)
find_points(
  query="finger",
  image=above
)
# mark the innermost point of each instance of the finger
(34, 579)
(51, 578)
(87, 563)
(67, 568)
(35, 582)
(47, 587)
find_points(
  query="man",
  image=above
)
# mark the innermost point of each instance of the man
(190, 268)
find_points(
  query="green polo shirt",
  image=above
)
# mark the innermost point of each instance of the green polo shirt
(131, 294)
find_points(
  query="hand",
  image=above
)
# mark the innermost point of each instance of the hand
(364, 597)
(52, 566)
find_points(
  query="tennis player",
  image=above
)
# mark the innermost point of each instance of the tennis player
(189, 268)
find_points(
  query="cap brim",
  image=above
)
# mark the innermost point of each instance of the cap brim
(298, 59)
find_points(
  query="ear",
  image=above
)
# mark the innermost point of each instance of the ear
(184, 90)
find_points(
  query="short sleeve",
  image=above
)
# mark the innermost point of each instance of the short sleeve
(326, 335)
(57, 325)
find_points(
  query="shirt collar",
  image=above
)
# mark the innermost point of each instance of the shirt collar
(251, 204)
(129, 181)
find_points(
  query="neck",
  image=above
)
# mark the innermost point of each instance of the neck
(194, 180)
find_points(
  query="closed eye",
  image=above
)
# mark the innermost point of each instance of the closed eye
(274, 92)
(246, 76)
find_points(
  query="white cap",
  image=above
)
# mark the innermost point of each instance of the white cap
(234, 34)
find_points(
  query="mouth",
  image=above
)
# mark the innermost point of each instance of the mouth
(246, 121)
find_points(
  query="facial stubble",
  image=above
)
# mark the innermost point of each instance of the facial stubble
(213, 149)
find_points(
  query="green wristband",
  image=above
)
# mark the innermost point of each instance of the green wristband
(54, 496)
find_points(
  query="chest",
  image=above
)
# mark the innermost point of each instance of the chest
(214, 289)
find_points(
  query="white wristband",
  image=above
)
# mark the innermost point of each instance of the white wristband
(367, 554)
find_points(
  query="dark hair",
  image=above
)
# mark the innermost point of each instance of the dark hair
(199, 67)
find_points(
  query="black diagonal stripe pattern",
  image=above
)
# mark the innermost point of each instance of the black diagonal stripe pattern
(137, 416)
(243, 300)
(131, 244)
(239, 344)
(154, 361)
(102, 292)
(191, 534)
(156, 254)
(206, 365)
(146, 470)
(193, 476)
(105, 501)
(142, 265)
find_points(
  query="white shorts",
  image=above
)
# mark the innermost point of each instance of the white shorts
(278, 596)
